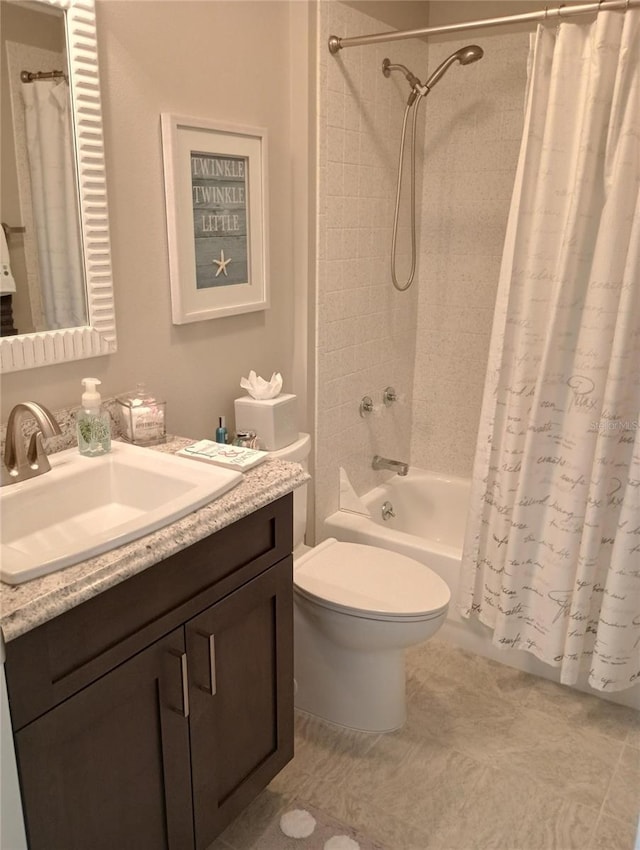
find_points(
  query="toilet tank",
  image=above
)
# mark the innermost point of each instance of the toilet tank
(297, 452)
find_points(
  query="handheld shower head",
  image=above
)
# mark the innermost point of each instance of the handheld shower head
(465, 56)
(470, 53)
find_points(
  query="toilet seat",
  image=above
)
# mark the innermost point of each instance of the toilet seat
(369, 582)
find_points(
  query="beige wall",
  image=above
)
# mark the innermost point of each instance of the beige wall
(396, 14)
(218, 60)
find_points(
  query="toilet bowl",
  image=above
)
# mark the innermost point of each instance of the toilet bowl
(356, 609)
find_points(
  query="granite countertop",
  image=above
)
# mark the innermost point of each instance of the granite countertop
(25, 606)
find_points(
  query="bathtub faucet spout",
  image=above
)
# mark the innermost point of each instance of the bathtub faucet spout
(394, 465)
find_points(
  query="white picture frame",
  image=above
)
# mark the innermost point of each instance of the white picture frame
(216, 201)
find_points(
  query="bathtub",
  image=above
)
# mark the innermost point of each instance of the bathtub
(429, 525)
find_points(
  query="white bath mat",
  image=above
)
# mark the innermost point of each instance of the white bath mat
(303, 827)
(297, 823)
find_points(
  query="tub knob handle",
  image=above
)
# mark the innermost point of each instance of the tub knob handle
(389, 396)
(366, 405)
(387, 511)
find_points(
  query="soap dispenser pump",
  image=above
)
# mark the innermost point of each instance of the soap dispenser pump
(94, 431)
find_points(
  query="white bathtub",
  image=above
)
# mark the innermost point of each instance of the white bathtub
(429, 526)
(429, 523)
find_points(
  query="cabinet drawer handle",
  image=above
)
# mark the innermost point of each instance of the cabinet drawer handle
(212, 663)
(211, 639)
(184, 681)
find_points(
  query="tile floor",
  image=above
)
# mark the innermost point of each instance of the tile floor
(490, 759)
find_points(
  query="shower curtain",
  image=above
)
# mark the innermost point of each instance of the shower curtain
(551, 558)
(48, 124)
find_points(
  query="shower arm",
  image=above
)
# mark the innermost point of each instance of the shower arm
(417, 88)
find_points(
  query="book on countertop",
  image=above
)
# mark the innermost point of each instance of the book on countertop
(221, 454)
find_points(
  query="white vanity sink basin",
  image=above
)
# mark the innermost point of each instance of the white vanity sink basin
(86, 506)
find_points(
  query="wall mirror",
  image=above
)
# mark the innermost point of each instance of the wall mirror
(64, 309)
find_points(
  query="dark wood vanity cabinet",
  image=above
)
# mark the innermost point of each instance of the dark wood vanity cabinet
(109, 767)
(240, 734)
(151, 715)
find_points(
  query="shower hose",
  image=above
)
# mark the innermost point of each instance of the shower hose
(414, 104)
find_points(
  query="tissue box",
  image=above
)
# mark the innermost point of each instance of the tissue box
(274, 420)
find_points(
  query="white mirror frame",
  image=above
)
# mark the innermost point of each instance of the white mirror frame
(98, 337)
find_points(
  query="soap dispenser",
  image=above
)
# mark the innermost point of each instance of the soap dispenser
(93, 425)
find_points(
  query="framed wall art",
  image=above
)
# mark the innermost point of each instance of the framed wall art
(216, 197)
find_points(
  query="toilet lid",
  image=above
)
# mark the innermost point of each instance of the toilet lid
(371, 582)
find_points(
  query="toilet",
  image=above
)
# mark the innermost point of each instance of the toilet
(356, 609)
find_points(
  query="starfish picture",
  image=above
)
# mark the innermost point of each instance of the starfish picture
(222, 263)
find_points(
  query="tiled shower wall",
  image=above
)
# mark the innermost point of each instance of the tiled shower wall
(365, 329)
(430, 343)
(474, 123)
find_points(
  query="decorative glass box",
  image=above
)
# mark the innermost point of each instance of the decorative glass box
(142, 417)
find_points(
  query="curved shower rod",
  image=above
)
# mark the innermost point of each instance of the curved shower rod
(336, 43)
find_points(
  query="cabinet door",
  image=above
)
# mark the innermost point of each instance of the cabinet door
(109, 767)
(241, 693)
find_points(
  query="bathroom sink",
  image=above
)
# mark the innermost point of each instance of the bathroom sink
(86, 506)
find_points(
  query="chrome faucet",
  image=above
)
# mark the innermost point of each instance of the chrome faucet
(20, 463)
(394, 465)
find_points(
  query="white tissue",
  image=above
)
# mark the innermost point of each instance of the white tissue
(260, 389)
